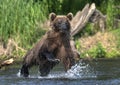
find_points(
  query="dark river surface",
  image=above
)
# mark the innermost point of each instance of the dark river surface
(97, 72)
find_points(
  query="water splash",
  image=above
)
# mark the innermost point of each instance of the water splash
(81, 70)
(78, 71)
(18, 74)
(75, 71)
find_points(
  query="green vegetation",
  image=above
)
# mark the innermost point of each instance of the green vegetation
(89, 30)
(98, 51)
(108, 7)
(115, 52)
(117, 35)
(101, 48)
(110, 13)
(21, 21)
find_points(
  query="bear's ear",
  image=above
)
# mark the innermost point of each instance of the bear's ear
(52, 16)
(70, 16)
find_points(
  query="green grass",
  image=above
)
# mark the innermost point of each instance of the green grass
(117, 35)
(20, 19)
(116, 51)
(110, 14)
(98, 51)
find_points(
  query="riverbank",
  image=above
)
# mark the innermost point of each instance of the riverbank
(100, 45)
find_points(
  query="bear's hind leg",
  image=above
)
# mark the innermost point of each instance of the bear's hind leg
(51, 61)
(45, 68)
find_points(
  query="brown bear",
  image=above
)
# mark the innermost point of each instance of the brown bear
(54, 47)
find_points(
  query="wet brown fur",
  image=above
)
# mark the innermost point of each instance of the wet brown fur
(55, 43)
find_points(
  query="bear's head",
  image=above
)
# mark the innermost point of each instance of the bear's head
(60, 23)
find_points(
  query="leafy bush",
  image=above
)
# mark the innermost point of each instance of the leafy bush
(100, 51)
(97, 52)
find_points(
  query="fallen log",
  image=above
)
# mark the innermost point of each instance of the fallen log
(84, 18)
(93, 15)
(6, 62)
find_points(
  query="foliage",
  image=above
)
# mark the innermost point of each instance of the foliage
(100, 51)
(97, 52)
(19, 19)
(113, 54)
(52, 5)
(75, 5)
(110, 13)
(117, 10)
(117, 35)
(87, 30)
(77, 43)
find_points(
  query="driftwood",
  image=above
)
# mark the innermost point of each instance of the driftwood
(6, 62)
(85, 14)
(93, 15)
(116, 23)
(118, 7)
(10, 47)
(99, 20)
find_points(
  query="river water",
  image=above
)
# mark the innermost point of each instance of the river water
(97, 72)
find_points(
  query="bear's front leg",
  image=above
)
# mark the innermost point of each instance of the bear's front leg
(49, 57)
(24, 70)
